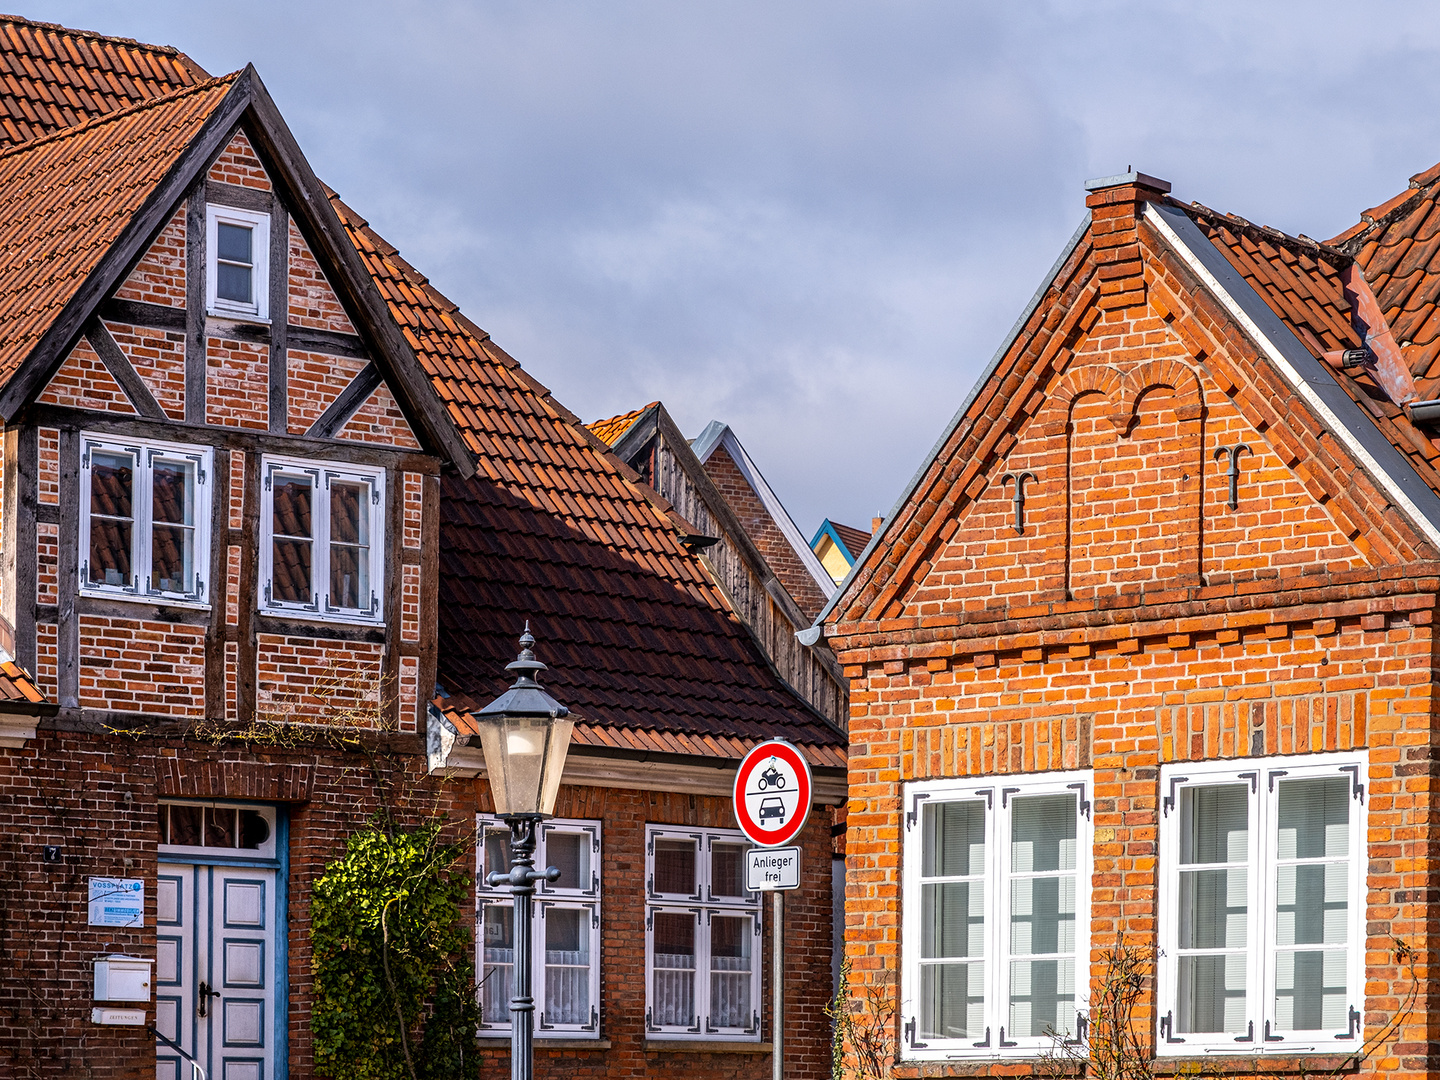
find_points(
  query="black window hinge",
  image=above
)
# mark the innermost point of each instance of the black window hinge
(1084, 802)
(910, 1035)
(1357, 789)
(1167, 1028)
(1249, 1035)
(914, 814)
(1354, 1024)
(1169, 802)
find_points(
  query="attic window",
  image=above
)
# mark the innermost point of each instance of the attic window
(237, 243)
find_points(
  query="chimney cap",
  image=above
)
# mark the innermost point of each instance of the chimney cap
(1139, 179)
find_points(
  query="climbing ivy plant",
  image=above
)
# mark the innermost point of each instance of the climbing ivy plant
(394, 979)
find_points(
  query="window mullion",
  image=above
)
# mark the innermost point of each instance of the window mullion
(998, 936)
(1262, 943)
(141, 515)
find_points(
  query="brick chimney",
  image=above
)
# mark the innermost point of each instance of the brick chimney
(1116, 203)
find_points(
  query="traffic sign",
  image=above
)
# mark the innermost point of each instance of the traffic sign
(772, 868)
(772, 793)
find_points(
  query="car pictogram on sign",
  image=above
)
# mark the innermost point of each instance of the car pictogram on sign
(771, 808)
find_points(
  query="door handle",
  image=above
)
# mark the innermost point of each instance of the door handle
(203, 1009)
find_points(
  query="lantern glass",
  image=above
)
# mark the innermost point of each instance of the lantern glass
(524, 759)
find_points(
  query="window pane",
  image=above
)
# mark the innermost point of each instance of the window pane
(233, 282)
(1214, 909)
(1312, 904)
(952, 920)
(290, 558)
(1310, 990)
(497, 851)
(727, 870)
(1042, 915)
(1043, 829)
(185, 825)
(1215, 824)
(1212, 993)
(953, 842)
(254, 829)
(952, 1001)
(567, 966)
(349, 544)
(675, 866)
(497, 980)
(731, 938)
(112, 513)
(172, 533)
(673, 995)
(1042, 998)
(234, 243)
(219, 827)
(1314, 818)
(569, 853)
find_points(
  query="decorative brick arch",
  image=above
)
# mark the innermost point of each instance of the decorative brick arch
(1170, 374)
(1075, 383)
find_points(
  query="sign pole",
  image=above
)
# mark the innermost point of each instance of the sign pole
(777, 987)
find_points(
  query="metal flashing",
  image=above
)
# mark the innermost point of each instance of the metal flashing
(1310, 378)
(1140, 179)
(816, 630)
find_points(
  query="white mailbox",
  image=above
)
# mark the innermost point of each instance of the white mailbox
(122, 978)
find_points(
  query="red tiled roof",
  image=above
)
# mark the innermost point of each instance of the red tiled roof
(53, 78)
(552, 529)
(66, 197)
(609, 431)
(17, 688)
(1397, 245)
(1299, 280)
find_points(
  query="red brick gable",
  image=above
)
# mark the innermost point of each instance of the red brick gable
(763, 530)
(1173, 360)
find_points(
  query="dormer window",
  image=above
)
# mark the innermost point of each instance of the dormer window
(237, 279)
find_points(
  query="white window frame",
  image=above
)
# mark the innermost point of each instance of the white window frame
(996, 792)
(548, 896)
(1261, 775)
(319, 607)
(259, 226)
(704, 906)
(146, 451)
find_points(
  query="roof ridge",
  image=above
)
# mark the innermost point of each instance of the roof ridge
(16, 149)
(1303, 243)
(169, 50)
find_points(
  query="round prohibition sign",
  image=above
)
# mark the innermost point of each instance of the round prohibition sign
(772, 793)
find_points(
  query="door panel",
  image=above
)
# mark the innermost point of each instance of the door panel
(215, 978)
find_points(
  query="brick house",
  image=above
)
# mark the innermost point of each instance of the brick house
(274, 512)
(1142, 663)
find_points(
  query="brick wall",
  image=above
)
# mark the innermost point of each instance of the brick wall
(313, 381)
(48, 482)
(313, 302)
(301, 679)
(158, 357)
(83, 382)
(380, 420)
(239, 165)
(237, 392)
(159, 276)
(784, 563)
(136, 665)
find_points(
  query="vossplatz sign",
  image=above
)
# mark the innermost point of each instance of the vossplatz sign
(772, 793)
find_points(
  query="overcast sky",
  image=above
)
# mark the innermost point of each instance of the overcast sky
(814, 221)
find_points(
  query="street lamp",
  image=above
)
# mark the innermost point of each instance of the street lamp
(524, 735)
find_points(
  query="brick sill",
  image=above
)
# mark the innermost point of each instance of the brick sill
(548, 1044)
(1280, 1064)
(700, 1046)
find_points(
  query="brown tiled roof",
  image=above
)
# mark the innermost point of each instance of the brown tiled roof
(1397, 244)
(1300, 281)
(52, 77)
(855, 539)
(609, 431)
(66, 197)
(554, 530)
(17, 689)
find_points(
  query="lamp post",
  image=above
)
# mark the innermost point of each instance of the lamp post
(524, 735)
